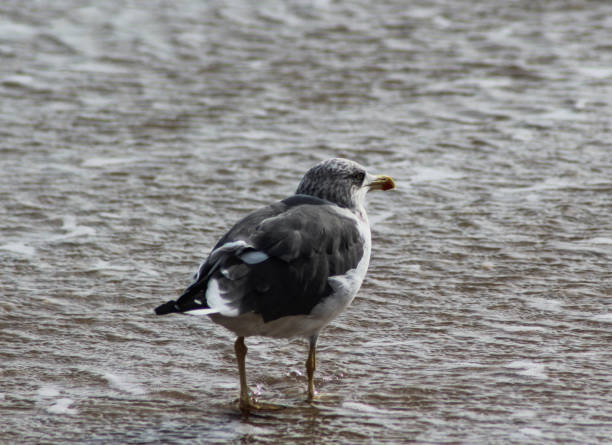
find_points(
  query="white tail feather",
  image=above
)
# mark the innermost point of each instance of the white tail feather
(207, 311)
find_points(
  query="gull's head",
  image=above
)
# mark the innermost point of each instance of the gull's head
(342, 182)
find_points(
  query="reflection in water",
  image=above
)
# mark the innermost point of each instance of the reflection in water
(131, 138)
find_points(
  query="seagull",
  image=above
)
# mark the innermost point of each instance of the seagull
(288, 269)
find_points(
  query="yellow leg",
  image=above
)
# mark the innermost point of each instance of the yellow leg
(241, 352)
(246, 403)
(311, 364)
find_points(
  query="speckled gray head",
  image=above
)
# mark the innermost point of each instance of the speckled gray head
(342, 181)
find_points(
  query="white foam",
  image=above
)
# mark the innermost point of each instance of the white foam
(531, 432)
(148, 271)
(545, 304)
(522, 134)
(607, 318)
(463, 365)
(19, 248)
(25, 81)
(72, 229)
(600, 245)
(62, 406)
(70, 225)
(599, 240)
(48, 391)
(124, 383)
(548, 184)
(102, 266)
(517, 327)
(14, 31)
(103, 162)
(428, 174)
(80, 231)
(488, 265)
(361, 407)
(528, 368)
(596, 72)
(413, 267)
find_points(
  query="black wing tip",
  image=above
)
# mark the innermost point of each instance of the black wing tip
(166, 308)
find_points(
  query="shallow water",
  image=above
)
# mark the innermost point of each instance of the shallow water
(132, 137)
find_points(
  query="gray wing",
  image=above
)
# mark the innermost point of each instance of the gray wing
(277, 261)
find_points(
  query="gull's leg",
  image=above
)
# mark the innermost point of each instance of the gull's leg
(311, 364)
(241, 351)
(246, 403)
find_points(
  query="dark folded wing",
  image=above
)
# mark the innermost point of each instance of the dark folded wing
(277, 261)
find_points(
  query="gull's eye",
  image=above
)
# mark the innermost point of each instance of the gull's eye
(358, 176)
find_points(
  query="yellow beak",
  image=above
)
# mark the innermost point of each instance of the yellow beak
(382, 182)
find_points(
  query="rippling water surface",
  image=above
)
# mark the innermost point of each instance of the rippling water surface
(132, 135)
